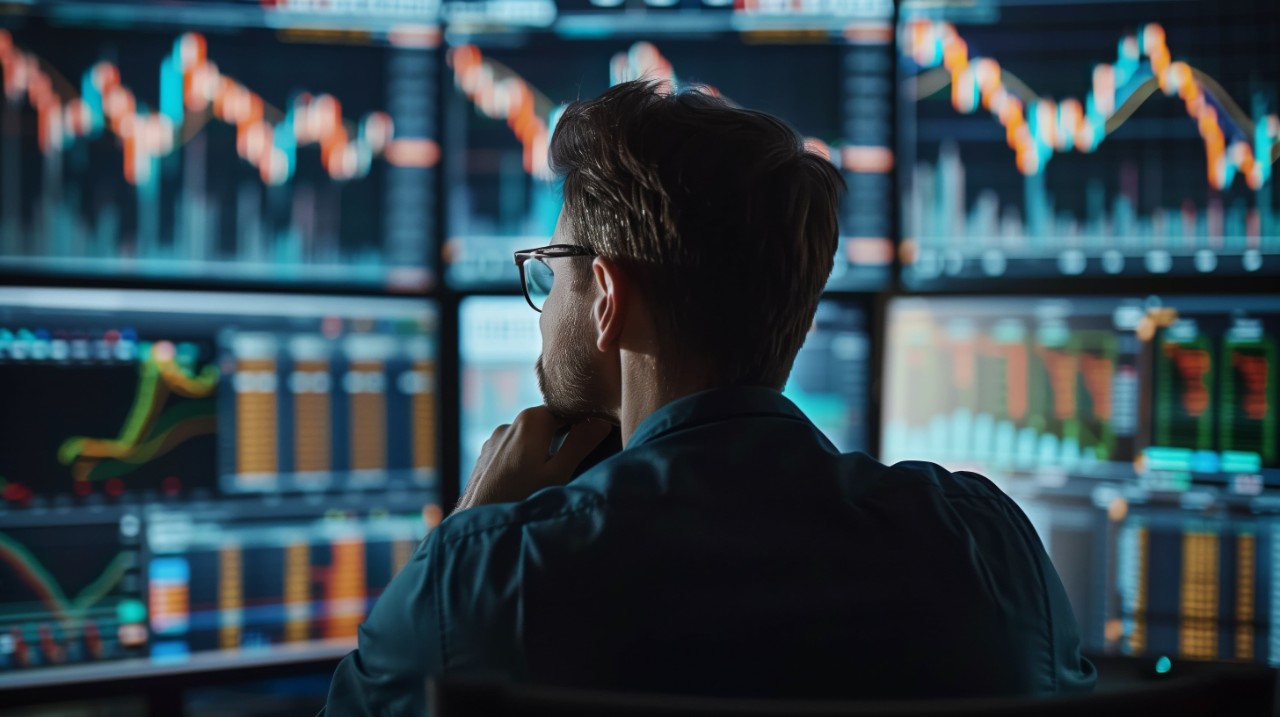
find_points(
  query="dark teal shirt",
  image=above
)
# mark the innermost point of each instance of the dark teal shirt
(729, 550)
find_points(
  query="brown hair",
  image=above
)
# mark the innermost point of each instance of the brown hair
(723, 217)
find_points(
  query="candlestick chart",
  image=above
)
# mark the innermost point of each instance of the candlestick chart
(505, 103)
(1139, 140)
(225, 157)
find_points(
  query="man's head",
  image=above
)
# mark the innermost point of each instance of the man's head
(713, 228)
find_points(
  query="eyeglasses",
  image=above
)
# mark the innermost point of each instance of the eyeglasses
(536, 276)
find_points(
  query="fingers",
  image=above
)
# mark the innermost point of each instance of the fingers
(537, 419)
(513, 463)
(499, 433)
(491, 446)
(582, 439)
(488, 450)
(532, 432)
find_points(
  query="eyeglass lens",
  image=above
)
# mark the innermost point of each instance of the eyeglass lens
(538, 279)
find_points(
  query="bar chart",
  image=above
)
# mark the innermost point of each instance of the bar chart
(1178, 389)
(317, 412)
(217, 585)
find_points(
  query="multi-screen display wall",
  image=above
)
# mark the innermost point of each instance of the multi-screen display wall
(1063, 144)
(260, 313)
(226, 451)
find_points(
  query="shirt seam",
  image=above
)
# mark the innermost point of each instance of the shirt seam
(445, 654)
(949, 493)
(1045, 604)
(1019, 524)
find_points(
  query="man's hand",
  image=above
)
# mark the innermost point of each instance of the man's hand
(515, 462)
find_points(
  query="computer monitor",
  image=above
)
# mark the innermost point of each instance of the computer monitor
(190, 480)
(499, 342)
(830, 380)
(219, 142)
(1121, 139)
(831, 79)
(1138, 434)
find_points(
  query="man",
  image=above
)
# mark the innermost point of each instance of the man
(729, 549)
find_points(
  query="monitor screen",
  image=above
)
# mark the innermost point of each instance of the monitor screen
(506, 91)
(219, 142)
(189, 478)
(1139, 435)
(830, 378)
(498, 344)
(500, 341)
(1125, 139)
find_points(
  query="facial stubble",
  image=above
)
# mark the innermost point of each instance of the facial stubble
(567, 375)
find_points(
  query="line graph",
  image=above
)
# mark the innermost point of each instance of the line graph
(68, 596)
(152, 427)
(1037, 127)
(47, 589)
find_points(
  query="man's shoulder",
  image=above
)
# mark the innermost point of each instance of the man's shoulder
(548, 508)
(917, 484)
(958, 484)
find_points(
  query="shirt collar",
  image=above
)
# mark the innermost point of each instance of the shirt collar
(711, 405)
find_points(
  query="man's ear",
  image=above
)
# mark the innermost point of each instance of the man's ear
(609, 310)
